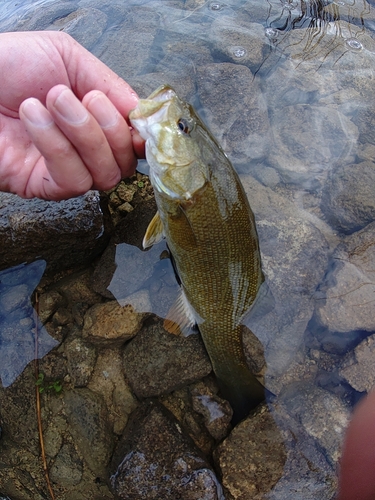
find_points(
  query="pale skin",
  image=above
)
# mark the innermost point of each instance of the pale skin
(63, 118)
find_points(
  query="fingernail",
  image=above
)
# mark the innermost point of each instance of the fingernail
(36, 113)
(70, 108)
(104, 111)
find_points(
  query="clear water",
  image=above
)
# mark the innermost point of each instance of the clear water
(287, 88)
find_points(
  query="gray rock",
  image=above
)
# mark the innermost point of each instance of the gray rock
(84, 25)
(345, 299)
(348, 201)
(157, 362)
(302, 152)
(323, 416)
(251, 460)
(67, 467)
(294, 257)
(108, 381)
(65, 234)
(234, 109)
(81, 360)
(49, 302)
(127, 50)
(155, 460)
(235, 43)
(88, 423)
(359, 372)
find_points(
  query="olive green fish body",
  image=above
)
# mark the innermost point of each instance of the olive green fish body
(218, 261)
(210, 229)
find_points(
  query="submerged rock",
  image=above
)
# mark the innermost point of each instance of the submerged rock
(157, 362)
(358, 370)
(155, 460)
(345, 300)
(348, 201)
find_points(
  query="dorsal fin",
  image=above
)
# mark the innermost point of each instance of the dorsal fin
(154, 232)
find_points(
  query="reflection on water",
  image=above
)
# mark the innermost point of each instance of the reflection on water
(22, 336)
(287, 88)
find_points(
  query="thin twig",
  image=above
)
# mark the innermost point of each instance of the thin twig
(38, 407)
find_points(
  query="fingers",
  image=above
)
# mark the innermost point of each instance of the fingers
(85, 145)
(115, 129)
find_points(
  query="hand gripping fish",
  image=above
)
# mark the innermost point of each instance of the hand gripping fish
(204, 214)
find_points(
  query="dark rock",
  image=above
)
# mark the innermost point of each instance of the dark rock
(89, 426)
(348, 200)
(155, 460)
(65, 234)
(157, 362)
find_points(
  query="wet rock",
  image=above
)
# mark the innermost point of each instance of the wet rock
(81, 360)
(88, 423)
(323, 415)
(348, 200)
(65, 234)
(234, 109)
(346, 297)
(155, 460)
(108, 381)
(217, 412)
(251, 460)
(359, 372)
(157, 362)
(111, 324)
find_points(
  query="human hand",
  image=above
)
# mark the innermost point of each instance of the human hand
(357, 470)
(63, 113)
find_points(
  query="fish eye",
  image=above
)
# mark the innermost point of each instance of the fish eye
(183, 125)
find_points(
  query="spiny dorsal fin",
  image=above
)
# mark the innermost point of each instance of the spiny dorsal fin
(154, 232)
(181, 318)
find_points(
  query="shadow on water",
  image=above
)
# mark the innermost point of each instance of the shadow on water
(286, 87)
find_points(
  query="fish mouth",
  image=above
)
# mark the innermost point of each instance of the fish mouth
(153, 104)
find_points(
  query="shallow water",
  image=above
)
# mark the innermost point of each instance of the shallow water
(287, 89)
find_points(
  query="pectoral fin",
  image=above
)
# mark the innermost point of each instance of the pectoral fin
(181, 318)
(154, 232)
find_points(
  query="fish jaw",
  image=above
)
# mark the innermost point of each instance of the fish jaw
(172, 153)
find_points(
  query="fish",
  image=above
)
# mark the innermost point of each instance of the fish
(205, 217)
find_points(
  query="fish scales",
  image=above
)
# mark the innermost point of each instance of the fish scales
(210, 230)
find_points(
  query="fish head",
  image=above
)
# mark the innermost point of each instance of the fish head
(170, 128)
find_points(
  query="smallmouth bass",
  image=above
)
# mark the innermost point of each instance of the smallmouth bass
(205, 216)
